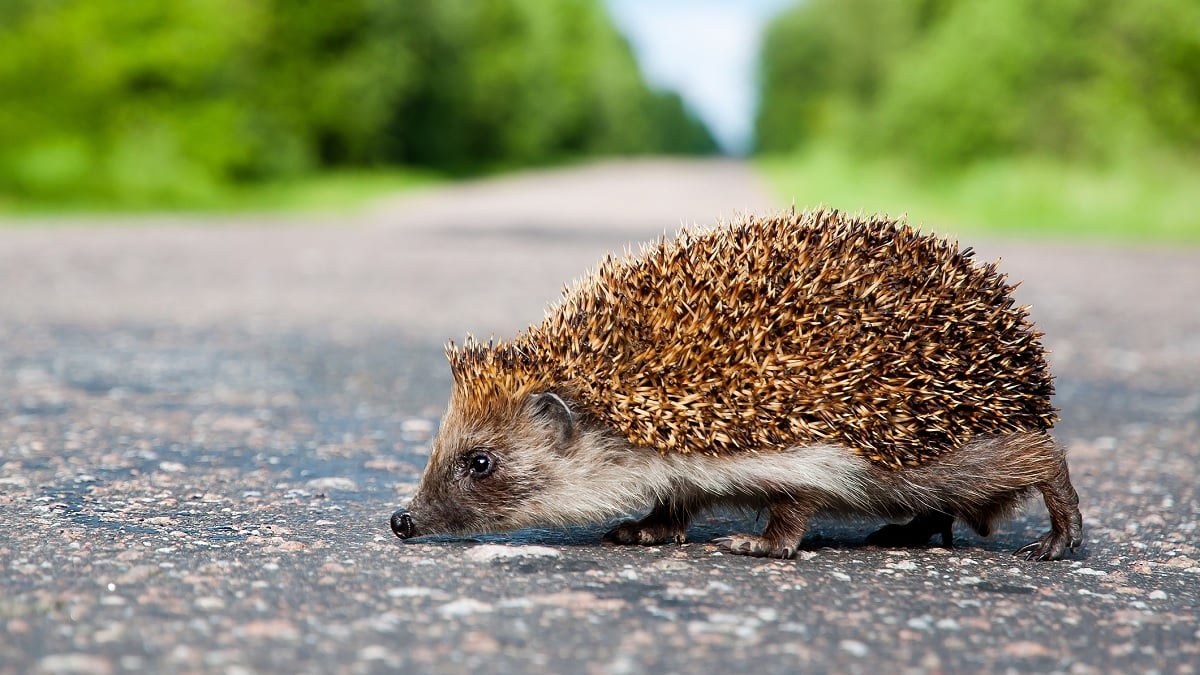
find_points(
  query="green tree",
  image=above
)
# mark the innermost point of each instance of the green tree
(521, 82)
(89, 92)
(825, 62)
(947, 82)
(167, 101)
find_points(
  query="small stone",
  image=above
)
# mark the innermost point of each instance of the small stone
(491, 552)
(854, 647)
(580, 600)
(374, 653)
(332, 483)
(333, 568)
(463, 607)
(515, 603)
(412, 592)
(209, 603)
(918, 623)
(1026, 649)
(274, 629)
(75, 663)
(1157, 595)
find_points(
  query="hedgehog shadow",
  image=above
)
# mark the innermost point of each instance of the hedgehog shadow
(851, 533)
(824, 533)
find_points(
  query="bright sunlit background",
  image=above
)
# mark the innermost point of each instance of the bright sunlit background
(1066, 119)
(707, 50)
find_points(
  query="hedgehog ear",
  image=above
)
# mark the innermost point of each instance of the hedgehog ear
(554, 410)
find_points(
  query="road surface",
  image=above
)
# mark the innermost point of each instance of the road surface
(205, 424)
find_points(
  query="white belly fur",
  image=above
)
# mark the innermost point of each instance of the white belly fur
(625, 479)
(824, 470)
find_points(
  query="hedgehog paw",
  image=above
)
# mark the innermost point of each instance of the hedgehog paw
(759, 547)
(1050, 546)
(638, 533)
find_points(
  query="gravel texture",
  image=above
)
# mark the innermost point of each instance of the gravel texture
(204, 427)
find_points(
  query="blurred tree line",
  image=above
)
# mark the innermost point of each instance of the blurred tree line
(947, 82)
(161, 101)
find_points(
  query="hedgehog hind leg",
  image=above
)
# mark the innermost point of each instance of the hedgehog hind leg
(915, 533)
(667, 522)
(787, 521)
(999, 507)
(1066, 522)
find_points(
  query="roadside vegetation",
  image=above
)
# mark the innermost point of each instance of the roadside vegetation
(1053, 119)
(111, 104)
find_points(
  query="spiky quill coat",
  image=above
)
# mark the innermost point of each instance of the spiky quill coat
(797, 329)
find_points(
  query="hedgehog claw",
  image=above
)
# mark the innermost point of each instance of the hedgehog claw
(758, 547)
(1050, 546)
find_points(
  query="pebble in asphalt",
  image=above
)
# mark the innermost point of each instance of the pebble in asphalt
(203, 431)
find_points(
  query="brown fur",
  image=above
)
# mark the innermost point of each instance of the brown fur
(804, 363)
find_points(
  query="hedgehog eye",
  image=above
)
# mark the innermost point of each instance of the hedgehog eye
(480, 463)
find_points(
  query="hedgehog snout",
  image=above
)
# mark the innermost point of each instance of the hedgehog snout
(402, 524)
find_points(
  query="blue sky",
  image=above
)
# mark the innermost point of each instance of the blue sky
(704, 49)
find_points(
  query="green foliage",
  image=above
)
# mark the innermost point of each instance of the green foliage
(176, 102)
(946, 83)
(826, 60)
(1027, 197)
(510, 82)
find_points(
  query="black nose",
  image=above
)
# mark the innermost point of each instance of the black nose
(402, 524)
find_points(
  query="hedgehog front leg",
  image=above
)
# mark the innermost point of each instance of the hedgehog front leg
(787, 521)
(667, 521)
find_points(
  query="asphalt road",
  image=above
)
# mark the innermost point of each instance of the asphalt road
(204, 427)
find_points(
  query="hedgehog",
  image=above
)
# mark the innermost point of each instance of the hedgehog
(798, 364)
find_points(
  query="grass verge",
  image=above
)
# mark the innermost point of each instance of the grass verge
(320, 192)
(1147, 202)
